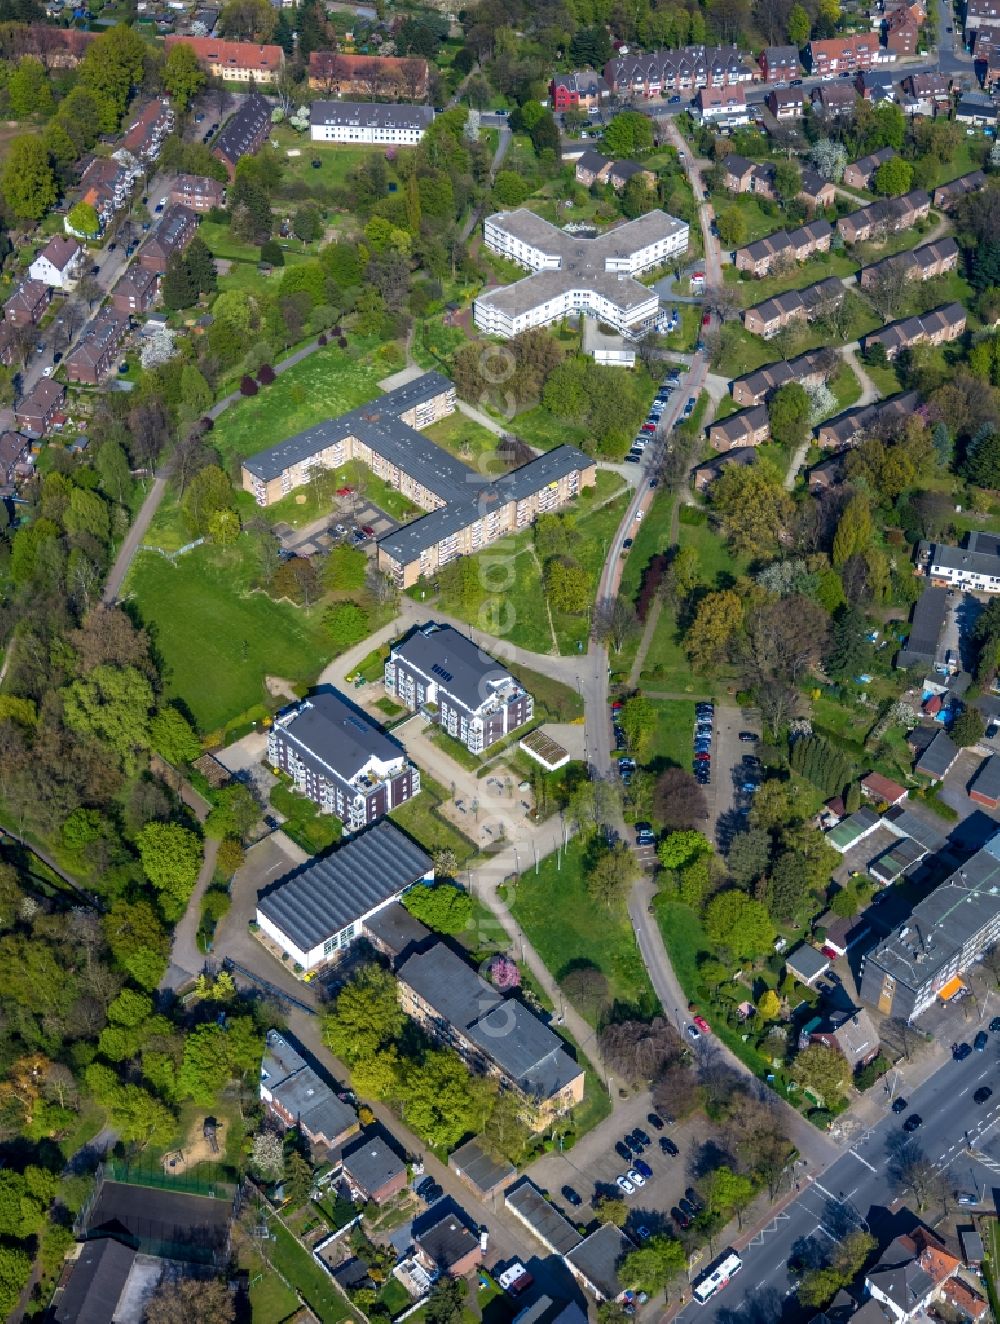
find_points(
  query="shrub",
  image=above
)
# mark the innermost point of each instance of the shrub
(342, 342)
(206, 423)
(322, 339)
(248, 386)
(265, 374)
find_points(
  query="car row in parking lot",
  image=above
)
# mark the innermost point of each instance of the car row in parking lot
(704, 718)
(645, 435)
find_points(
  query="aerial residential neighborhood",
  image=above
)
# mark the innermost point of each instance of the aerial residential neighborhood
(500, 663)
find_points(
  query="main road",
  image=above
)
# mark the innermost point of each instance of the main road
(958, 1138)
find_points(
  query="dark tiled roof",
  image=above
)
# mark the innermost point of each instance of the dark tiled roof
(372, 1164)
(370, 114)
(96, 1283)
(330, 735)
(241, 132)
(454, 662)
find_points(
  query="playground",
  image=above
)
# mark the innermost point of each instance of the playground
(201, 1146)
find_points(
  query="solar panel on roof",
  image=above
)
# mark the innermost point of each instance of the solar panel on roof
(441, 671)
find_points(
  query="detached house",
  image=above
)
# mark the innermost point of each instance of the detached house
(786, 103)
(341, 759)
(750, 427)
(725, 106)
(852, 1034)
(817, 192)
(929, 91)
(59, 264)
(374, 1171)
(913, 1272)
(297, 1096)
(834, 99)
(901, 32)
(27, 304)
(935, 328)
(946, 195)
(861, 174)
(468, 693)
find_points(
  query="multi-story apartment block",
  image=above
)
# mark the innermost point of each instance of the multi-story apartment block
(901, 33)
(773, 315)
(94, 356)
(197, 192)
(974, 567)
(107, 184)
(935, 328)
(172, 235)
(147, 131)
(136, 291)
(664, 73)
(243, 133)
(495, 1036)
(584, 89)
(341, 760)
(750, 427)
(861, 173)
(576, 275)
(885, 217)
(371, 122)
(28, 303)
(808, 369)
(234, 61)
(436, 669)
(838, 55)
(980, 13)
(786, 246)
(335, 74)
(925, 958)
(779, 64)
(924, 263)
(946, 195)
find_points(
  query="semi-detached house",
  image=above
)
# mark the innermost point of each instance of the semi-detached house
(861, 173)
(59, 264)
(469, 694)
(749, 427)
(974, 568)
(584, 89)
(341, 759)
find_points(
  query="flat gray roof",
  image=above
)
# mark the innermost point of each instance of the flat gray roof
(324, 895)
(551, 1227)
(623, 291)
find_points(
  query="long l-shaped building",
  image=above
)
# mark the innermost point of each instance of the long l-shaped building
(466, 511)
(573, 274)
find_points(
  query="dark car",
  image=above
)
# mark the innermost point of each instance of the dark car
(431, 1192)
(626, 545)
(960, 1051)
(634, 1143)
(913, 1123)
(680, 1218)
(674, 100)
(899, 1105)
(751, 761)
(982, 1094)
(640, 1135)
(748, 737)
(643, 1168)
(667, 1146)
(623, 1151)
(687, 1207)
(995, 1024)
(654, 1119)
(694, 1199)
(571, 1197)
(980, 1041)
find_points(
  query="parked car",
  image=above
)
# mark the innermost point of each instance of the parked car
(960, 1052)
(680, 1218)
(694, 1199)
(995, 1024)
(706, 320)
(703, 1025)
(625, 1185)
(982, 1094)
(571, 1197)
(640, 1135)
(667, 1146)
(748, 738)
(687, 1207)
(643, 1168)
(913, 1123)
(655, 1121)
(693, 1032)
(344, 491)
(636, 1177)
(980, 1041)
(899, 1105)
(623, 1151)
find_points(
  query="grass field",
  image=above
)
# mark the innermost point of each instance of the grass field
(671, 743)
(326, 384)
(337, 161)
(569, 930)
(218, 639)
(467, 439)
(759, 223)
(292, 1259)
(808, 273)
(307, 827)
(419, 818)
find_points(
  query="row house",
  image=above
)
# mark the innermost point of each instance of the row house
(978, 13)
(172, 235)
(15, 457)
(136, 291)
(861, 174)
(887, 216)
(946, 195)
(929, 91)
(808, 370)
(59, 264)
(901, 32)
(584, 89)
(934, 328)
(337, 74)
(594, 168)
(95, 355)
(786, 246)
(704, 475)
(834, 100)
(234, 61)
(244, 133)
(786, 103)
(977, 109)
(773, 315)
(55, 48)
(779, 64)
(837, 55)
(849, 428)
(750, 427)
(198, 193)
(924, 263)
(664, 73)
(145, 135)
(36, 411)
(722, 105)
(28, 303)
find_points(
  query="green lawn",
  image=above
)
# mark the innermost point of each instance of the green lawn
(545, 431)
(326, 384)
(667, 666)
(307, 827)
(420, 819)
(671, 742)
(568, 930)
(884, 378)
(591, 551)
(651, 537)
(553, 700)
(271, 1300)
(759, 223)
(846, 387)
(467, 439)
(217, 638)
(818, 268)
(337, 160)
(292, 1259)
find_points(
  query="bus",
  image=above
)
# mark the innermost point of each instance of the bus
(715, 1278)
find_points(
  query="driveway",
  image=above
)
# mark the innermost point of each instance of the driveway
(245, 760)
(266, 862)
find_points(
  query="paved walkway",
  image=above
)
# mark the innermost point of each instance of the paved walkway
(851, 354)
(185, 956)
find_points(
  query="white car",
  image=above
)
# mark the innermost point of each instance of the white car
(636, 1178)
(47, 372)
(625, 1185)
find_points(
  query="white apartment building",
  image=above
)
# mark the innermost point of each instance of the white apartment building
(975, 568)
(571, 274)
(368, 122)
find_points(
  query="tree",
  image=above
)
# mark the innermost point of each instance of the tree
(790, 885)
(969, 727)
(567, 586)
(510, 188)
(365, 1016)
(820, 1285)
(679, 848)
(749, 855)
(894, 177)
(111, 68)
(441, 906)
(636, 718)
(177, 287)
(346, 623)
(586, 987)
(848, 652)
(27, 181)
(769, 1005)
(652, 1266)
(982, 462)
(829, 158)
(638, 1050)
(235, 814)
(787, 180)
(855, 531)
(630, 134)
(678, 800)
(729, 1193)
(718, 617)
(267, 1154)
(753, 505)
(28, 90)
(612, 1209)
(113, 704)
(83, 220)
(171, 858)
(735, 922)
(798, 26)
(732, 227)
(210, 489)
(183, 77)
(446, 1302)
(611, 874)
(788, 410)
(441, 1100)
(824, 1072)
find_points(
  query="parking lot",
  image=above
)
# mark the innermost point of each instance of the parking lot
(353, 520)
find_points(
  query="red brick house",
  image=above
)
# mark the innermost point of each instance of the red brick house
(197, 192)
(779, 64)
(449, 1246)
(901, 33)
(374, 1172)
(837, 55)
(584, 89)
(28, 302)
(15, 450)
(399, 77)
(136, 291)
(95, 355)
(173, 234)
(36, 410)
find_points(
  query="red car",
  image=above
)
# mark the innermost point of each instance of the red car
(344, 491)
(702, 1025)
(649, 427)
(705, 321)
(368, 531)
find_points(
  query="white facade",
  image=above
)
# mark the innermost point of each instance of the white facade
(971, 580)
(368, 123)
(48, 273)
(496, 321)
(363, 133)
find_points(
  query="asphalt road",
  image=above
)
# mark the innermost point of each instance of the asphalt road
(864, 1188)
